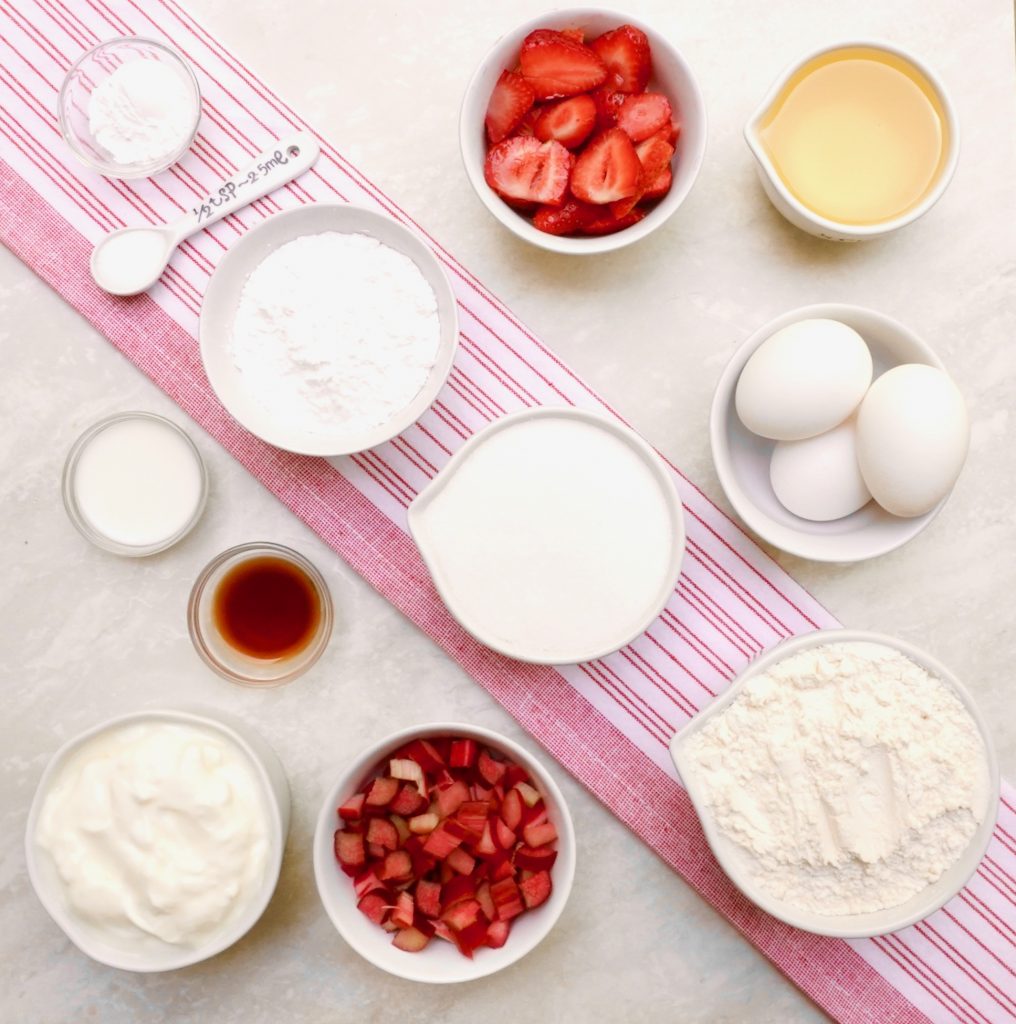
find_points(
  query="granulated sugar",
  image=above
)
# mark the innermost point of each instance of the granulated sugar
(335, 333)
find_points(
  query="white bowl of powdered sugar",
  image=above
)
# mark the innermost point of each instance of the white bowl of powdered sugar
(846, 783)
(328, 329)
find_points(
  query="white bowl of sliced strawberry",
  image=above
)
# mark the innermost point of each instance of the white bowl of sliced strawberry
(583, 130)
(444, 853)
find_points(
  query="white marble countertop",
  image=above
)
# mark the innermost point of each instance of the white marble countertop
(89, 634)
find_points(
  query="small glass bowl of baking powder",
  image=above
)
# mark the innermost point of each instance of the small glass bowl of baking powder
(129, 108)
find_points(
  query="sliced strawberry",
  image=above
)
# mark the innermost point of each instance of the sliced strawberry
(661, 186)
(608, 169)
(527, 125)
(607, 225)
(674, 133)
(625, 51)
(509, 103)
(428, 897)
(654, 155)
(556, 65)
(523, 169)
(353, 807)
(608, 105)
(575, 34)
(373, 906)
(410, 940)
(536, 889)
(643, 115)
(569, 121)
(497, 933)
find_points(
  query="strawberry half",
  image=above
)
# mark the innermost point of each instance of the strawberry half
(568, 219)
(654, 155)
(608, 105)
(644, 115)
(625, 51)
(509, 103)
(570, 121)
(661, 186)
(557, 65)
(608, 169)
(607, 225)
(524, 169)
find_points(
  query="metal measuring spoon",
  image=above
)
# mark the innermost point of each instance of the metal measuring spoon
(131, 260)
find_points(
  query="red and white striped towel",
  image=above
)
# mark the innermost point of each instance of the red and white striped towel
(607, 721)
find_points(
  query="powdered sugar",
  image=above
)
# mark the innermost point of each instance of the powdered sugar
(850, 778)
(335, 333)
(144, 112)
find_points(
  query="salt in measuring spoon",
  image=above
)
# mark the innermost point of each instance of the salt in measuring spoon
(131, 260)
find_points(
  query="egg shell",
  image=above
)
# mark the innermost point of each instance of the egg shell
(818, 478)
(912, 438)
(805, 379)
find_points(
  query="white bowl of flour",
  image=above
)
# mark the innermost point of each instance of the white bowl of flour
(846, 783)
(328, 329)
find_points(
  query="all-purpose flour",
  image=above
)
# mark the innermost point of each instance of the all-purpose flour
(335, 333)
(850, 777)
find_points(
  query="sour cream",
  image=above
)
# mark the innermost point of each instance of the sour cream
(156, 832)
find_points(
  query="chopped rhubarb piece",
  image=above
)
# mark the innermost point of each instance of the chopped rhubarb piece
(534, 815)
(463, 754)
(424, 924)
(411, 940)
(460, 861)
(490, 769)
(441, 842)
(382, 791)
(460, 887)
(462, 914)
(505, 836)
(423, 823)
(530, 796)
(486, 847)
(428, 897)
(486, 901)
(536, 889)
(442, 931)
(473, 815)
(539, 835)
(382, 833)
(375, 851)
(540, 858)
(402, 915)
(367, 882)
(507, 899)
(353, 807)
(349, 849)
(401, 827)
(407, 770)
(374, 906)
(408, 800)
(397, 865)
(450, 797)
(500, 868)
(471, 937)
(514, 775)
(425, 754)
(497, 933)
(511, 808)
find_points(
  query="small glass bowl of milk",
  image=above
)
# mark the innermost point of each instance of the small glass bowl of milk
(129, 107)
(134, 484)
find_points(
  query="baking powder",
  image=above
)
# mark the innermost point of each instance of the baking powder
(335, 333)
(849, 777)
(144, 112)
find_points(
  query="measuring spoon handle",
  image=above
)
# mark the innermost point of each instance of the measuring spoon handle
(283, 161)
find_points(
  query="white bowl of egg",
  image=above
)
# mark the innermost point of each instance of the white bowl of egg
(837, 433)
(155, 839)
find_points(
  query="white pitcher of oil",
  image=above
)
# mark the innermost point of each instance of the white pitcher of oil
(854, 141)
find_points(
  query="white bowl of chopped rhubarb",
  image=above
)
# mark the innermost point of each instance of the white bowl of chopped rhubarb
(582, 130)
(444, 853)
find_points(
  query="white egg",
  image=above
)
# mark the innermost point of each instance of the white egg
(805, 379)
(912, 438)
(818, 478)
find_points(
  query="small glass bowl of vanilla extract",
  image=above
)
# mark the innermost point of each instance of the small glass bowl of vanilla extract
(260, 614)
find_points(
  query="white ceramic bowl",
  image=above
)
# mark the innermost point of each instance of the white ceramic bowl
(87, 73)
(440, 962)
(742, 458)
(275, 788)
(223, 295)
(594, 646)
(807, 219)
(671, 76)
(729, 854)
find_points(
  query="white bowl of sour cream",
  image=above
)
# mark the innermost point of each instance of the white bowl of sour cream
(155, 839)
